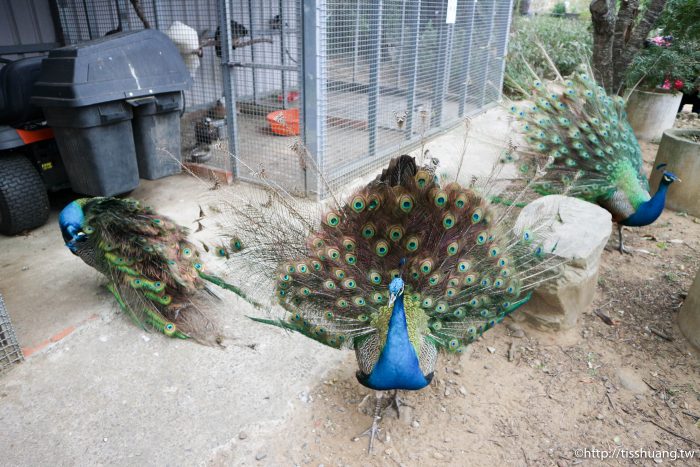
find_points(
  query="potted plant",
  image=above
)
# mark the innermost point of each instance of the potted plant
(668, 66)
(659, 75)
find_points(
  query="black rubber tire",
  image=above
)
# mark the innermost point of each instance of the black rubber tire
(24, 203)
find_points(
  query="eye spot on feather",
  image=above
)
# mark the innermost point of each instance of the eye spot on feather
(454, 282)
(342, 303)
(477, 215)
(305, 291)
(426, 266)
(412, 243)
(394, 273)
(441, 307)
(448, 221)
(302, 268)
(434, 279)
(474, 302)
(450, 292)
(339, 273)
(316, 265)
(452, 248)
(377, 297)
(375, 277)
(440, 198)
(459, 312)
(481, 239)
(422, 178)
(381, 248)
(359, 301)
(349, 244)
(332, 219)
(463, 265)
(374, 202)
(485, 282)
(349, 283)
(396, 233)
(453, 344)
(169, 329)
(406, 203)
(197, 266)
(358, 204)
(329, 284)
(333, 254)
(317, 242)
(494, 251)
(368, 230)
(350, 259)
(427, 302)
(498, 283)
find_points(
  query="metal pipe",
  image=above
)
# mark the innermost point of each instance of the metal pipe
(357, 40)
(375, 35)
(488, 53)
(413, 25)
(467, 59)
(229, 83)
(284, 83)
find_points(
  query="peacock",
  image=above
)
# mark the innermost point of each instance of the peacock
(405, 268)
(579, 142)
(155, 273)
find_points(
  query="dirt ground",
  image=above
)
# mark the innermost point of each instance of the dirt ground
(632, 384)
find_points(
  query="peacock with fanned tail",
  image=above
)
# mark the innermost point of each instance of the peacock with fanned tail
(403, 270)
(155, 273)
(580, 143)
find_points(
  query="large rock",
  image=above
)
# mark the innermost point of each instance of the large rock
(689, 317)
(581, 231)
(681, 153)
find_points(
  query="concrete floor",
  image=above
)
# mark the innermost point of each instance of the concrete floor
(97, 390)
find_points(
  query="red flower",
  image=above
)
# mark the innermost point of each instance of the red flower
(678, 84)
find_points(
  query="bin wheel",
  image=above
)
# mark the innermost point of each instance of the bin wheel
(24, 203)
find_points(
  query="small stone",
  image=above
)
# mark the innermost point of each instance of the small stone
(599, 416)
(491, 349)
(104, 440)
(242, 435)
(487, 367)
(462, 391)
(617, 440)
(260, 456)
(438, 455)
(457, 372)
(448, 392)
(631, 380)
(619, 421)
(415, 424)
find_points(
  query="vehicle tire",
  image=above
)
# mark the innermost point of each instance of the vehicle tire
(24, 203)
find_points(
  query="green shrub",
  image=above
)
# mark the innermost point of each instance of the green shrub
(568, 43)
(655, 65)
(559, 9)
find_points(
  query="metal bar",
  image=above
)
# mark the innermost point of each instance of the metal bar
(375, 35)
(252, 49)
(282, 46)
(357, 40)
(413, 21)
(313, 91)
(439, 83)
(90, 19)
(403, 29)
(488, 53)
(504, 50)
(229, 83)
(467, 59)
(157, 15)
(27, 48)
(123, 14)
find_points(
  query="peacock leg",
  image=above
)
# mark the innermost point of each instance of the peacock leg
(397, 403)
(372, 431)
(621, 247)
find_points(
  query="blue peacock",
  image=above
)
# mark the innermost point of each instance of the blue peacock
(404, 269)
(155, 273)
(580, 143)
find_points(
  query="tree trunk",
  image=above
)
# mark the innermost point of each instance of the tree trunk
(635, 40)
(617, 37)
(524, 7)
(603, 17)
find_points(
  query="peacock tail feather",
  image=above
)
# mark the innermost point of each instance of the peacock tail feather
(579, 143)
(153, 269)
(465, 264)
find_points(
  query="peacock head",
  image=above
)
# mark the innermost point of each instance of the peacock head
(71, 223)
(395, 289)
(668, 177)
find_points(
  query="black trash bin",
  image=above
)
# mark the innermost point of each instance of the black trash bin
(88, 91)
(156, 125)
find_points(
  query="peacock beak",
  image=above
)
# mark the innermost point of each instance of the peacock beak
(392, 299)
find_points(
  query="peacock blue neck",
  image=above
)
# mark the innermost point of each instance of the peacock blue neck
(649, 211)
(398, 366)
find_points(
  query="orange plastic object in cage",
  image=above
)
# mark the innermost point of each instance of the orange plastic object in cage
(284, 122)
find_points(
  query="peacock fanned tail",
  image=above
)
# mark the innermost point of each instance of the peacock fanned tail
(579, 143)
(155, 272)
(464, 264)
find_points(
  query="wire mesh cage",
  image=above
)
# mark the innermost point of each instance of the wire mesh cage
(10, 351)
(399, 70)
(356, 81)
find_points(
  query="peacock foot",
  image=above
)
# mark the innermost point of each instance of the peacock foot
(374, 430)
(396, 403)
